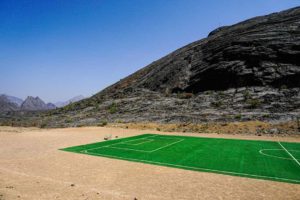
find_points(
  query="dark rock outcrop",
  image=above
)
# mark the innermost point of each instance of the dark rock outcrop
(263, 51)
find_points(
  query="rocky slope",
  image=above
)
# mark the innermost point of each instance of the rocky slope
(247, 71)
(263, 51)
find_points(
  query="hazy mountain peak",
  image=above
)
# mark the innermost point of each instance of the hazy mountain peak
(72, 100)
(50, 106)
(33, 103)
(7, 105)
(13, 99)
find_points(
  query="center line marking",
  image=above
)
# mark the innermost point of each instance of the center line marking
(289, 153)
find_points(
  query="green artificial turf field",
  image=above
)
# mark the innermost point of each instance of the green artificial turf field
(277, 161)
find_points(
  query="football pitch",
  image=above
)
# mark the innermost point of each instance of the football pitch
(269, 160)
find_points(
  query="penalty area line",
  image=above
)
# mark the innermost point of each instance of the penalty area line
(167, 145)
(121, 142)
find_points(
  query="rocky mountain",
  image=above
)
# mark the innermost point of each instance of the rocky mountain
(7, 105)
(76, 98)
(11, 103)
(50, 106)
(246, 71)
(13, 99)
(35, 104)
(263, 51)
(72, 100)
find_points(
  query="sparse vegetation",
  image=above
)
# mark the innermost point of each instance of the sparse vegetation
(283, 87)
(102, 123)
(68, 120)
(185, 95)
(217, 104)
(113, 108)
(253, 103)
(209, 92)
(221, 93)
(249, 127)
(266, 116)
(238, 116)
(43, 125)
(247, 94)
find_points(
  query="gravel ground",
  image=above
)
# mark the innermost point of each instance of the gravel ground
(32, 167)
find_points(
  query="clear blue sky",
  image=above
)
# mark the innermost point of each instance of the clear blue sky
(58, 49)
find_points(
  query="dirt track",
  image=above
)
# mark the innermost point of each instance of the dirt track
(32, 167)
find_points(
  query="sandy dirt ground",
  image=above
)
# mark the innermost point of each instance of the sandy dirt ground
(32, 167)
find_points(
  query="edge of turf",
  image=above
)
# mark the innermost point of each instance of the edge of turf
(260, 177)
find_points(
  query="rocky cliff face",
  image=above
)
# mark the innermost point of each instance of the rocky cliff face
(247, 71)
(263, 51)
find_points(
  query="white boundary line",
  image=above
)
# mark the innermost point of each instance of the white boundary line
(120, 143)
(143, 150)
(262, 152)
(196, 168)
(125, 149)
(289, 153)
(188, 167)
(148, 140)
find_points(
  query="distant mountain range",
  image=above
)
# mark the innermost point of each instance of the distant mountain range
(33, 104)
(73, 100)
(7, 105)
(11, 103)
(15, 100)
